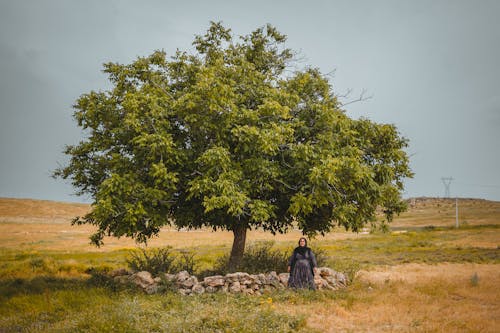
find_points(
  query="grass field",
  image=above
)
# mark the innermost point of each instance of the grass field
(423, 276)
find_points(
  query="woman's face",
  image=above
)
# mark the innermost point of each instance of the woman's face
(302, 242)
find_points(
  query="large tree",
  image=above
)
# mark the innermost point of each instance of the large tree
(229, 137)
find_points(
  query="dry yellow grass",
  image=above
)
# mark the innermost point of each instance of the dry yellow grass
(32, 211)
(26, 223)
(57, 236)
(441, 212)
(413, 298)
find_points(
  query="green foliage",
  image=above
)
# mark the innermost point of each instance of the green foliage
(186, 261)
(162, 260)
(259, 257)
(229, 136)
(262, 257)
(155, 261)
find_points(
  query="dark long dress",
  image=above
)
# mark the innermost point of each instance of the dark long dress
(301, 272)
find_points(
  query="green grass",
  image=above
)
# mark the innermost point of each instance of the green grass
(26, 264)
(92, 309)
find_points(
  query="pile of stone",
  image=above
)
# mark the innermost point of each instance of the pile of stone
(251, 284)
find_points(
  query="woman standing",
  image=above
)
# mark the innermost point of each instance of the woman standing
(302, 266)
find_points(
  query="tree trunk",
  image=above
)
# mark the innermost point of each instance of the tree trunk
(240, 237)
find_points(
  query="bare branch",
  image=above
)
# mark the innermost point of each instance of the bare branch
(361, 97)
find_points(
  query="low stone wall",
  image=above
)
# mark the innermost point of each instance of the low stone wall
(251, 284)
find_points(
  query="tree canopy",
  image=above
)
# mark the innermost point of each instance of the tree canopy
(229, 137)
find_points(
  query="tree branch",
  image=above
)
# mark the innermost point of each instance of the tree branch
(361, 97)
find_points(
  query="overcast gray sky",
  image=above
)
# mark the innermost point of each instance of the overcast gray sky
(432, 68)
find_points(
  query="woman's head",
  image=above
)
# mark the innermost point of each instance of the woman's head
(302, 241)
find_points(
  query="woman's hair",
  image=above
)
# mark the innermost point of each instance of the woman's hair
(303, 238)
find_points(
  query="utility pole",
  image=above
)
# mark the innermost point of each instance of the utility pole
(447, 183)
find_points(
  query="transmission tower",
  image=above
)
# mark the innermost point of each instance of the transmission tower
(446, 182)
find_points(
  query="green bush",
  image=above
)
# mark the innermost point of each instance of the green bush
(322, 258)
(186, 261)
(261, 257)
(155, 261)
(162, 260)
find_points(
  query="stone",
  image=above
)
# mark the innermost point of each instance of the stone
(214, 281)
(247, 281)
(261, 278)
(198, 289)
(247, 291)
(242, 275)
(318, 280)
(189, 282)
(283, 277)
(182, 276)
(342, 279)
(238, 276)
(254, 277)
(210, 289)
(321, 283)
(142, 279)
(332, 282)
(151, 289)
(273, 276)
(274, 280)
(325, 271)
(267, 287)
(185, 292)
(235, 287)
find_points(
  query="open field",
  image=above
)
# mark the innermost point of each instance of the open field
(441, 212)
(424, 276)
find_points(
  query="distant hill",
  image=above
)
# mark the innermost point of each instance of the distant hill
(29, 210)
(422, 211)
